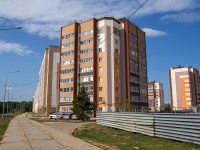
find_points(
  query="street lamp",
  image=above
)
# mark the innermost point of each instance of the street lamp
(5, 89)
(11, 28)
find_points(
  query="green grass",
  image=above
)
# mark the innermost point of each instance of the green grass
(4, 125)
(109, 138)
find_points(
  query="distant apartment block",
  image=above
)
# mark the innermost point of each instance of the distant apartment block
(46, 94)
(155, 96)
(184, 87)
(108, 57)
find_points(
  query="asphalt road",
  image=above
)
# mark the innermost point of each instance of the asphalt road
(26, 134)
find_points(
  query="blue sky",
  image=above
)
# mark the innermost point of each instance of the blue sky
(172, 28)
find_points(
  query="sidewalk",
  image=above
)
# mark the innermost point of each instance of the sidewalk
(26, 134)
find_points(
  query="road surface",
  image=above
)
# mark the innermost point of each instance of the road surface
(26, 134)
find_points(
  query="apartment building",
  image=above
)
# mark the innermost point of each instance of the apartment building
(184, 87)
(108, 57)
(46, 94)
(155, 96)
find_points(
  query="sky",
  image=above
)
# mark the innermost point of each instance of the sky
(172, 35)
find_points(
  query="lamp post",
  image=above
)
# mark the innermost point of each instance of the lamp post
(5, 89)
(12, 28)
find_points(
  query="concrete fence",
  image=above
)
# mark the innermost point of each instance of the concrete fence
(177, 126)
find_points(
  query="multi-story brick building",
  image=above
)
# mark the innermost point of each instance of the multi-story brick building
(46, 94)
(155, 96)
(184, 87)
(108, 57)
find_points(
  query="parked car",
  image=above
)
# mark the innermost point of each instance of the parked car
(73, 116)
(66, 116)
(56, 116)
(8, 115)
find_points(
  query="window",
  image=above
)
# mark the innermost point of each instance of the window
(87, 32)
(117, 109)
(71, 70)
(99, 31)
(117, 69)
(100, 99)
(100, 89)
(117, 99)
(69, 89)
(99, 41)
(88, 59)
(134, 89)
(71, 52)
(66, 80)
(100, 79)
(100, 59)
(67, 36)
(116, 60)
(116, 32)
(100, 69)
(89, 88)
(116, 51)
(100, 109)
(116, 41)
(117, 79)
(66, 62)
(68, 44)
(87, 41)
(100, 50)
(117, 89)
(86, 79)
(86, 69)
(66, 99)
(85, 51)
(134, 79)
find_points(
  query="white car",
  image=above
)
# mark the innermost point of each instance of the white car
(56, 116)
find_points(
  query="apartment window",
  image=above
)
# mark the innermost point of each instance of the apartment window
(88, 88)
(117, 99)
(100, 50)
(134, 89)
(87, 32)
(85, 51)
(69, 89)
(66, 99)
(99, 31)
(117, 109)
(86, 69)
(86, 79)
(68, 36)
(88, 59)
(66, 80)
(67, 62)
(100, 79)
(117, 79)
(116, 41)
(100, 69)
(117, 89)
(116, 32)
(100, 89)
(100, 59)
(144, 91)
(134, 79)
(117, 69)
(87, 41)
(134, 99)
(99, 41)
(71, 52)
(68, 44)
(100, 99)
(116, 60)
(100, 109)
(116, 51)
(71, 70)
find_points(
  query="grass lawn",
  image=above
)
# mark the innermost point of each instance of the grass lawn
(114, 139)
(3, 125)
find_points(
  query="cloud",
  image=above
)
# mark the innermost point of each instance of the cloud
(153, 33)
(45, 17)
(22, 50)
(183, 17)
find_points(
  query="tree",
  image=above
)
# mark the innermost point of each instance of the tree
(125, 104)
(168, 108)
(82, 105)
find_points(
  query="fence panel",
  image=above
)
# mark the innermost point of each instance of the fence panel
(178, 126)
